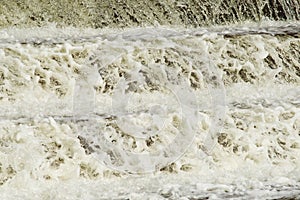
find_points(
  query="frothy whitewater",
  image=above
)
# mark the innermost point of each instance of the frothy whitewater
(157, 113)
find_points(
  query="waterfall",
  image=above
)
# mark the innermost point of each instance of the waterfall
(159, 99)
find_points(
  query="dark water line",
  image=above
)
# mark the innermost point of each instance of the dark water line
(150, 33)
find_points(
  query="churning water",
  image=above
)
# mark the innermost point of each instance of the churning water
(150, 113)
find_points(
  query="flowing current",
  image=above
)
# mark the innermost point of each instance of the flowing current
(159, 113)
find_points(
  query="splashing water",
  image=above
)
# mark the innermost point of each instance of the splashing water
(151, 102)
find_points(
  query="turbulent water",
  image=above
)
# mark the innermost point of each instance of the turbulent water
(122, 14)
(150, 113)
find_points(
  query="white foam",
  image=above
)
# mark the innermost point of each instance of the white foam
(40, 92)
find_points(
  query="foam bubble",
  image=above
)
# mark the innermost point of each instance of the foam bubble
(43, 140)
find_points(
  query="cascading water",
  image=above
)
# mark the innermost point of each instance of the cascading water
(124, 14)
(164, 112)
